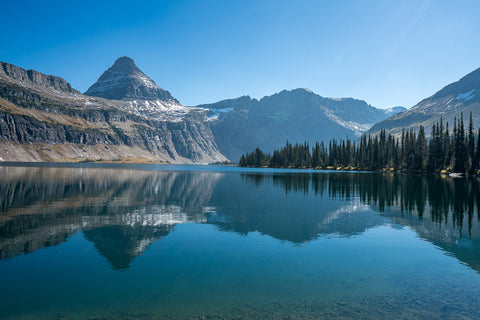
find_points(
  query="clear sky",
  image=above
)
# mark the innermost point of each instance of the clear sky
(388, 53)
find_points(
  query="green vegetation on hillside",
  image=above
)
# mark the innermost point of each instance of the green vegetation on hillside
(458, 151)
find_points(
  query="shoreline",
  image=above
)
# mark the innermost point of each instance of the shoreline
(143, 162)
(385, 170)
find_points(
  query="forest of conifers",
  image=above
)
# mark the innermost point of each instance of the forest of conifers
(458, 151)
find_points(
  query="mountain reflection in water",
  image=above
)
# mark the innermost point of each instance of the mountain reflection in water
(122, 212)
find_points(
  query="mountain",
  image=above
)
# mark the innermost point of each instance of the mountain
(42, 118)
(459, 97)
(125, 115)
(242, 124)
(140, 95)
(125, 81)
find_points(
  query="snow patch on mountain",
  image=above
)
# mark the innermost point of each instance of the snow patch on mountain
(467, 95)
(160, 110)
(214, 114)
(394, 110)
(147, 81)
(357, 128)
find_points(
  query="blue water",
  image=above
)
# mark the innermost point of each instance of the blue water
(192, 242)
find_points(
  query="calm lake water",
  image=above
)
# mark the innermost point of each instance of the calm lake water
(195, 242)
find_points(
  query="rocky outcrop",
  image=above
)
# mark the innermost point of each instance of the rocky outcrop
(125, 81)
(24, 129)
(34, 78)
(136, 93)
(46, 120)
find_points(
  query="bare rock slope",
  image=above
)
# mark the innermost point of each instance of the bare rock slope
(240, 125)
(462, 96)
(42, 118)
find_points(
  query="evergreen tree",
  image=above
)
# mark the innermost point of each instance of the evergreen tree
(470, 147)
(476, 162)
(410, 151)
(459, 145)
(420, 151)
(448, 148)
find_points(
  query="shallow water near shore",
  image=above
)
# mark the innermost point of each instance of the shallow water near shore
(104, 241)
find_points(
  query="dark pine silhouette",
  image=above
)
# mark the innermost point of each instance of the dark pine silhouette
(411, 152)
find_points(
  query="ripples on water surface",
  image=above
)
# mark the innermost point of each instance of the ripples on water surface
(186, 242)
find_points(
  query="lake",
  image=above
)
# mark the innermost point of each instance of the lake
(107, 241)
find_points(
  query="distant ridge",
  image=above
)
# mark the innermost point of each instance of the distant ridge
(240, 125)
(462, 96)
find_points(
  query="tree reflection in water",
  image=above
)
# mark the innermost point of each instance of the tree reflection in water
(122, 211)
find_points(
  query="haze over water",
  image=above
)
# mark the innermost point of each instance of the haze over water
(151, 242)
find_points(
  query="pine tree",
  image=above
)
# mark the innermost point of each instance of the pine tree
(476, 162)
(448, 148)
(420, 151)
(431, 150)
(459, 144)
(410, 151)
(470, 147)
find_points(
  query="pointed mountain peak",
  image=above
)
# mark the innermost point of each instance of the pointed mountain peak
(125, 65)
(125, 81)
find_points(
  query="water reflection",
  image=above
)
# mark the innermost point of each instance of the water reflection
(441, 196)
(122, 212)
(445, 211)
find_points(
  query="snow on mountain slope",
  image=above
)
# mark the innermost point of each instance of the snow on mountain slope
(160, 110)
(240, 125)
(137, 93)
(43, 119)
(125, 81)
(462, 96)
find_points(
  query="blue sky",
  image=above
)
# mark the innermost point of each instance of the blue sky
(387, 53)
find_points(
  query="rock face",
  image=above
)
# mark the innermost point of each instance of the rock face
(240, 125)
(125, 81)
(32, 78)
(139, 94)
(126, 116)
(459, 97)
(43, 119)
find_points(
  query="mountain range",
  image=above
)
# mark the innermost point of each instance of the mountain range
(126, 116)
(462, 96)
(242, 124)
(42, 118)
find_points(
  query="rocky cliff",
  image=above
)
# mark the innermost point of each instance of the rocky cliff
(125, 81)
(34, 79)
(43, 119)
(240, 125)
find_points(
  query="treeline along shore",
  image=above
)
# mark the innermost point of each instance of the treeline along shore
(456, 150)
